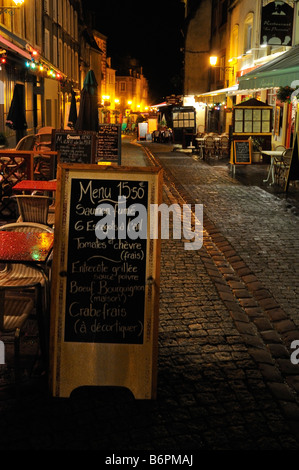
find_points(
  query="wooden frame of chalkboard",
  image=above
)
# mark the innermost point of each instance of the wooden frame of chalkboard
(109, 143)
(105, 291)
(74, 146)
(242, 152)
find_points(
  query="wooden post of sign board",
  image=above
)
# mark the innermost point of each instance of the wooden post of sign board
(105, 290)
(293, 172)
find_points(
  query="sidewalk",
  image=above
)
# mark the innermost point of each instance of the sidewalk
(228, 313)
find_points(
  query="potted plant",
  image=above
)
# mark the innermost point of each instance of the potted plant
(256, 144)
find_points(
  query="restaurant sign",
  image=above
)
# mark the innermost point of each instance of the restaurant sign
(277, 23)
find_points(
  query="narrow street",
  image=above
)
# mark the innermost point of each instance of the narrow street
(228, 315)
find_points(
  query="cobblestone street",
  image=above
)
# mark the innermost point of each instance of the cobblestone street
(228, 315)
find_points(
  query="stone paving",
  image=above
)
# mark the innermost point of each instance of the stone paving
(227, 317)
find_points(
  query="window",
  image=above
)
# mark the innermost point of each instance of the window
(55, 62)
(222, 68)
(60, 54)
(76, 67)
(223, 12)
(235, 42)
(123, 86)
(252, 120)
(47, 44)
(65, 61)
(183, 118)
(46, 7)
(55, 12)
(76, 25)
(59, 19)
(248, 31)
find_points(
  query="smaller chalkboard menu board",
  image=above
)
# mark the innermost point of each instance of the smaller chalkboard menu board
(74, 146)
(109, 143)
(242, 152)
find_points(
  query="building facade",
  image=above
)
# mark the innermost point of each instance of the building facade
(40, 44)
(131, 88)
(241, 36)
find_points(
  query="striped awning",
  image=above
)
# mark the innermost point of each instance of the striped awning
(281, 71)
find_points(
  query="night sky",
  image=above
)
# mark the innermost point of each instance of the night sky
(148, 31)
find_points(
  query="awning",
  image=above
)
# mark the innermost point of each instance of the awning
(12, 47)
(222, 91)
(278, 72)
(159, 105)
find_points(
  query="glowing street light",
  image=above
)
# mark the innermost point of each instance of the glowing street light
(213, 62)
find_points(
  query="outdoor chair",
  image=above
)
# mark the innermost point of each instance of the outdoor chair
(156, 136)
(223, 147)
(209, 147)
(26, 143)
(33, 208)
(281, 167)
(44, 139)
(15, 309)
(280, 147)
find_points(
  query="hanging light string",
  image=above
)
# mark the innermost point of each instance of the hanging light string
(43, 67)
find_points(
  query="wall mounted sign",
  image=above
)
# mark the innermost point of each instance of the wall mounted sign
(104, 309)
(277, 24)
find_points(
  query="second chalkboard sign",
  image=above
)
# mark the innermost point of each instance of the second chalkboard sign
(242, 152)
(109, 143)
(74, 146)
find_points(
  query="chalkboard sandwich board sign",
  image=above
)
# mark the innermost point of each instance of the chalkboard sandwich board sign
(242, 152)
(105, 279)
(75, 146)
(109, 143)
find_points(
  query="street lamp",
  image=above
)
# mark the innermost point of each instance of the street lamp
(11, 9)
(213, 62)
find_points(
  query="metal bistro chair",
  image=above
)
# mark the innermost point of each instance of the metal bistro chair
(15, 309)
(281, 167)
(209, 147)
(34, 280)
(223, 147)
(33, 208)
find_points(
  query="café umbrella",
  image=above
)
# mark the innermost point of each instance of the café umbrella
(88, 119)
(73, 112)
(16, 119)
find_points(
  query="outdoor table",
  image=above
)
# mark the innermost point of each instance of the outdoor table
(201, 142)
(35, 185)
(272, 154)
(25, 247)
(33, 249)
